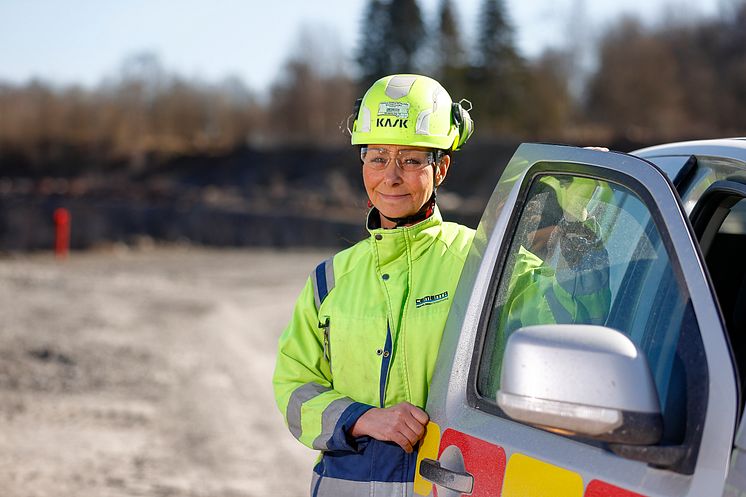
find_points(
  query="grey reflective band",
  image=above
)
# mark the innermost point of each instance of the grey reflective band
(350, 488)
(329, 419)
(364, 126)
(400, 86)
(423, 122)
(323, 281)
(300, 396)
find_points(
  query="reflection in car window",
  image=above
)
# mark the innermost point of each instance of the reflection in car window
(588, 252)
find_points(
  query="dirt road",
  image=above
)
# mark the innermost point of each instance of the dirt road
(147, 373)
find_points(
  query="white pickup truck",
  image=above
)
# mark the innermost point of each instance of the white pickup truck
(640, 398)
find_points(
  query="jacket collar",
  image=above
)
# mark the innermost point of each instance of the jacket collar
(390, 244)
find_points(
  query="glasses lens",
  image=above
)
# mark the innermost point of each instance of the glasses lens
(414, 160)
(375, 158)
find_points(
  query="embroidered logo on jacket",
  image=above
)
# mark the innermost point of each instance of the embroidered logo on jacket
(431, 299)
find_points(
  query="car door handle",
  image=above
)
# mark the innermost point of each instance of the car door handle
(433, 472)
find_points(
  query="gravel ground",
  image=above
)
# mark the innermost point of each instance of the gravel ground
(147, 373)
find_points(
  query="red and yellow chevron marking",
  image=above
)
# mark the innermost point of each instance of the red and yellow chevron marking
(520, 476)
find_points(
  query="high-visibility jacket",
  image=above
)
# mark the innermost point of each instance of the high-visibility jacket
(365, 333)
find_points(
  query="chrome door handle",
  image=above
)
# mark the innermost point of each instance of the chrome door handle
(433, 472)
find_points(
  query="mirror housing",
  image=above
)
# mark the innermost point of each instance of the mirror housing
(580, 380)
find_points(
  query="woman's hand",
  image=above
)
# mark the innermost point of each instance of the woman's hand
(403, 424)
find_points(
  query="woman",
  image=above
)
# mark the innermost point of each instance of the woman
(355, 362)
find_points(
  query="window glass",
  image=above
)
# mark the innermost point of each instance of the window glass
(588, 252)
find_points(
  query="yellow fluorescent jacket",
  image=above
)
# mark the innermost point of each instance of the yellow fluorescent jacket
(371, 342)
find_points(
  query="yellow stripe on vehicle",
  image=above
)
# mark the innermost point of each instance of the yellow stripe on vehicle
(428, 448)
(529, 477)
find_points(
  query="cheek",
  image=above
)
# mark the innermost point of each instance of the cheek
(423, 186)
(369, 182)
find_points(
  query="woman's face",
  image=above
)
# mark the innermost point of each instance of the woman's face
(397, 193)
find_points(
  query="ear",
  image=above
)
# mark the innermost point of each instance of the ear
(441, 169)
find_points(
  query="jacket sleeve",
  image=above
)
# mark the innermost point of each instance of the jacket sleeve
(316, 414)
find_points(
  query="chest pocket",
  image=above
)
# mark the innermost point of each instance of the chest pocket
(351, 342)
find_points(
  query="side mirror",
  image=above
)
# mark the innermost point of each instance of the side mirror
(582, 380)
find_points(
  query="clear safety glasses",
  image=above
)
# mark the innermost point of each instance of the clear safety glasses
(408, 160)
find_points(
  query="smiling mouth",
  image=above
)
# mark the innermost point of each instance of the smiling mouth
(393, 196)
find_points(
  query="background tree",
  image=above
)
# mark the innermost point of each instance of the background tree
(636, 89)
(372, 54)
(313, 95)
(498, 75)
(404, 36)
(450, 57)
(548, 107)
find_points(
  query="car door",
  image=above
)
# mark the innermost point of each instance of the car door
(581, 242)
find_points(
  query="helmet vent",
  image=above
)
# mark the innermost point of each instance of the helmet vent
(400, 86)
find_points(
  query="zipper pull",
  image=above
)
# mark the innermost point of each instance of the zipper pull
(325, 326)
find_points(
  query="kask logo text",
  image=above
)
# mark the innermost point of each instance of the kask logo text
(387, 122)
(431, 299)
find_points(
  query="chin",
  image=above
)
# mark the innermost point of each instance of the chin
(395, 213)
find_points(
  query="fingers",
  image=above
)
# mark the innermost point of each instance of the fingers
(403, 424)
(406, 439)
(420, 415)
(411, 426)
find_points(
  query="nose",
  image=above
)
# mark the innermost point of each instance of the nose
(392, 173)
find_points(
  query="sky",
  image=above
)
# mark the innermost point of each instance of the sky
(84, 41)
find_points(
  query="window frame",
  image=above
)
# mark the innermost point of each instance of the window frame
(694, 428)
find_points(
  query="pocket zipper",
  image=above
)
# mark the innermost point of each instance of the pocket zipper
(327, 348)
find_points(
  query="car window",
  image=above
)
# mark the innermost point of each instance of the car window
(589, 252)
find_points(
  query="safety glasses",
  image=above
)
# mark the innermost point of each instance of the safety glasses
(407, 160)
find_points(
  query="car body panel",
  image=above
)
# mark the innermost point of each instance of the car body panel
(600, 471)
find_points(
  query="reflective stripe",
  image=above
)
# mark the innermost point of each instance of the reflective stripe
(315, 481)
(561, 315)
(323, 280)
(364, 120)
(423, 122)
(329, 419)
(400, 86)
(348, 488)
(300, 396)
(329, 270)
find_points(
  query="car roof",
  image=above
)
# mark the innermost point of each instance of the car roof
(723, 156)
(734, 148)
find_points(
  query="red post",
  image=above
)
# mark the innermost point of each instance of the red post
(62, 232)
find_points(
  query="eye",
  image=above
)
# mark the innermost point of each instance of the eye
(378, 160)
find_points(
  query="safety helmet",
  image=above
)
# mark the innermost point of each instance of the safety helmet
(410, 109)
(576, 195)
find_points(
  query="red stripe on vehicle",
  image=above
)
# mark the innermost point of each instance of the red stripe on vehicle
(486, 462)
(598, 488)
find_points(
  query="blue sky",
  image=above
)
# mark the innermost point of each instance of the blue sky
(82, 41)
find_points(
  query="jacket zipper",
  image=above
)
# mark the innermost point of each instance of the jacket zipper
(385, 365)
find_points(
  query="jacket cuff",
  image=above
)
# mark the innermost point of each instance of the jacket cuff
(341, 439)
